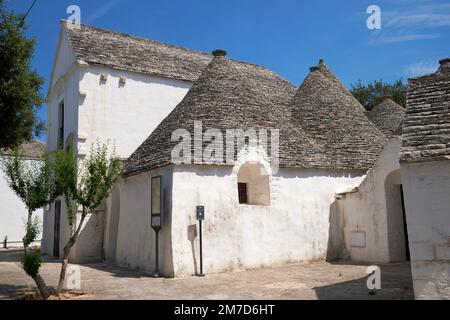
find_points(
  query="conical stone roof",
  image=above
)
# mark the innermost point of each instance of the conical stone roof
(325, 109)
(232, 95)
(388, 117)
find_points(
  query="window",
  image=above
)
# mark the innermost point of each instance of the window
(242, 188)
(253, 185)
(61, 126)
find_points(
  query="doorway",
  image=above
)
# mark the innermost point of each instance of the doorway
(405, 226)
(397, 231)
(57, 229)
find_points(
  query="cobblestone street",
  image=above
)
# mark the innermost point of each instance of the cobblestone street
(313, 281)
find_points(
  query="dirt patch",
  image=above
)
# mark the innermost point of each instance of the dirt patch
(35, 295)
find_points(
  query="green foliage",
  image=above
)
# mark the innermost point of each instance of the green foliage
(20, 96)
(371, 94)
(31, 262)
(32, 180)
(66, 173)
(87, 183)
(99, 175)
(33, 230)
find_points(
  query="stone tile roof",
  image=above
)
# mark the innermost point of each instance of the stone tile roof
(388, 117)
(33, 150)
(131, 53)
(231, 95)
(325, 109)
(426, 128)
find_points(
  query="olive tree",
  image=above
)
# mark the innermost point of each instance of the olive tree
(85, 186)
(33, 181)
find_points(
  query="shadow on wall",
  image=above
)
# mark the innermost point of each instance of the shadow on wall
(396, 284)
(89, 246)
(192, 235)
(336, 243)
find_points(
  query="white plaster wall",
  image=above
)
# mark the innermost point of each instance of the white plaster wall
(136, 238)
(64, 58)
(125, 114)
(294, 228)
(111, 222)
(427, 197)
(365, 213)
(67, 91)
(13, 214)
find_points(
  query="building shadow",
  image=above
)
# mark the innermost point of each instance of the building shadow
(192, 235)
(396, 284)
(11, 292)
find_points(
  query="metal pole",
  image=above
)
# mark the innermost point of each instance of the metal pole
(201, 274)
(156, 274)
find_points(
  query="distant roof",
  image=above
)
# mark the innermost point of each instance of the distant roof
(131, 53)
(325, 109)
(426, 129)
(388, 117)
(34, 149)
(232, 95)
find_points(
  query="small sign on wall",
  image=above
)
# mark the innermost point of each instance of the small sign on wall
(200, 213)
(358, 239)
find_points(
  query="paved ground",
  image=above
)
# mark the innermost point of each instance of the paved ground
(305, 281)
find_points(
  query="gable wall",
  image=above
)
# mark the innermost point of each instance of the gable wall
(125, 114)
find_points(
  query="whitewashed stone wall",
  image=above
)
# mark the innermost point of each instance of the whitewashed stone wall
(370, 216)
(427, 196)
(13, 214)
(123, 113)
(135, 237)
(294, 228)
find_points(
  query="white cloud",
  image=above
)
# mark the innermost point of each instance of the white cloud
(421, 68)
(102, 10)
(413, 22)
(428, 20)
(393, 38)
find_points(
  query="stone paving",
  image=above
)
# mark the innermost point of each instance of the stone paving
(319, 280)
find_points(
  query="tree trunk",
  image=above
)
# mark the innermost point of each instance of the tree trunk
(43, 289)
(66, 252)
(29, 221)
(40, 283)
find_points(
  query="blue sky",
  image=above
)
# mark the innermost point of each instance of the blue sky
(286, 36)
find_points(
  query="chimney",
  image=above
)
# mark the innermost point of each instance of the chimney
(445, 63)
(219, 53)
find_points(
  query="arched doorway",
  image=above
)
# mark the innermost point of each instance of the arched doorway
(397, 231)
(253, 185)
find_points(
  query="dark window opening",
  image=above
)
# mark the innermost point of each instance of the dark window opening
(243, 196)
(61, 126)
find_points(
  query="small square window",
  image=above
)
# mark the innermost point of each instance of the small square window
(242, 188)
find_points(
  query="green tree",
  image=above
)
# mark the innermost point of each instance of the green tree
(85, 187)
(20, 96)
(33, 181)
(371, 94)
